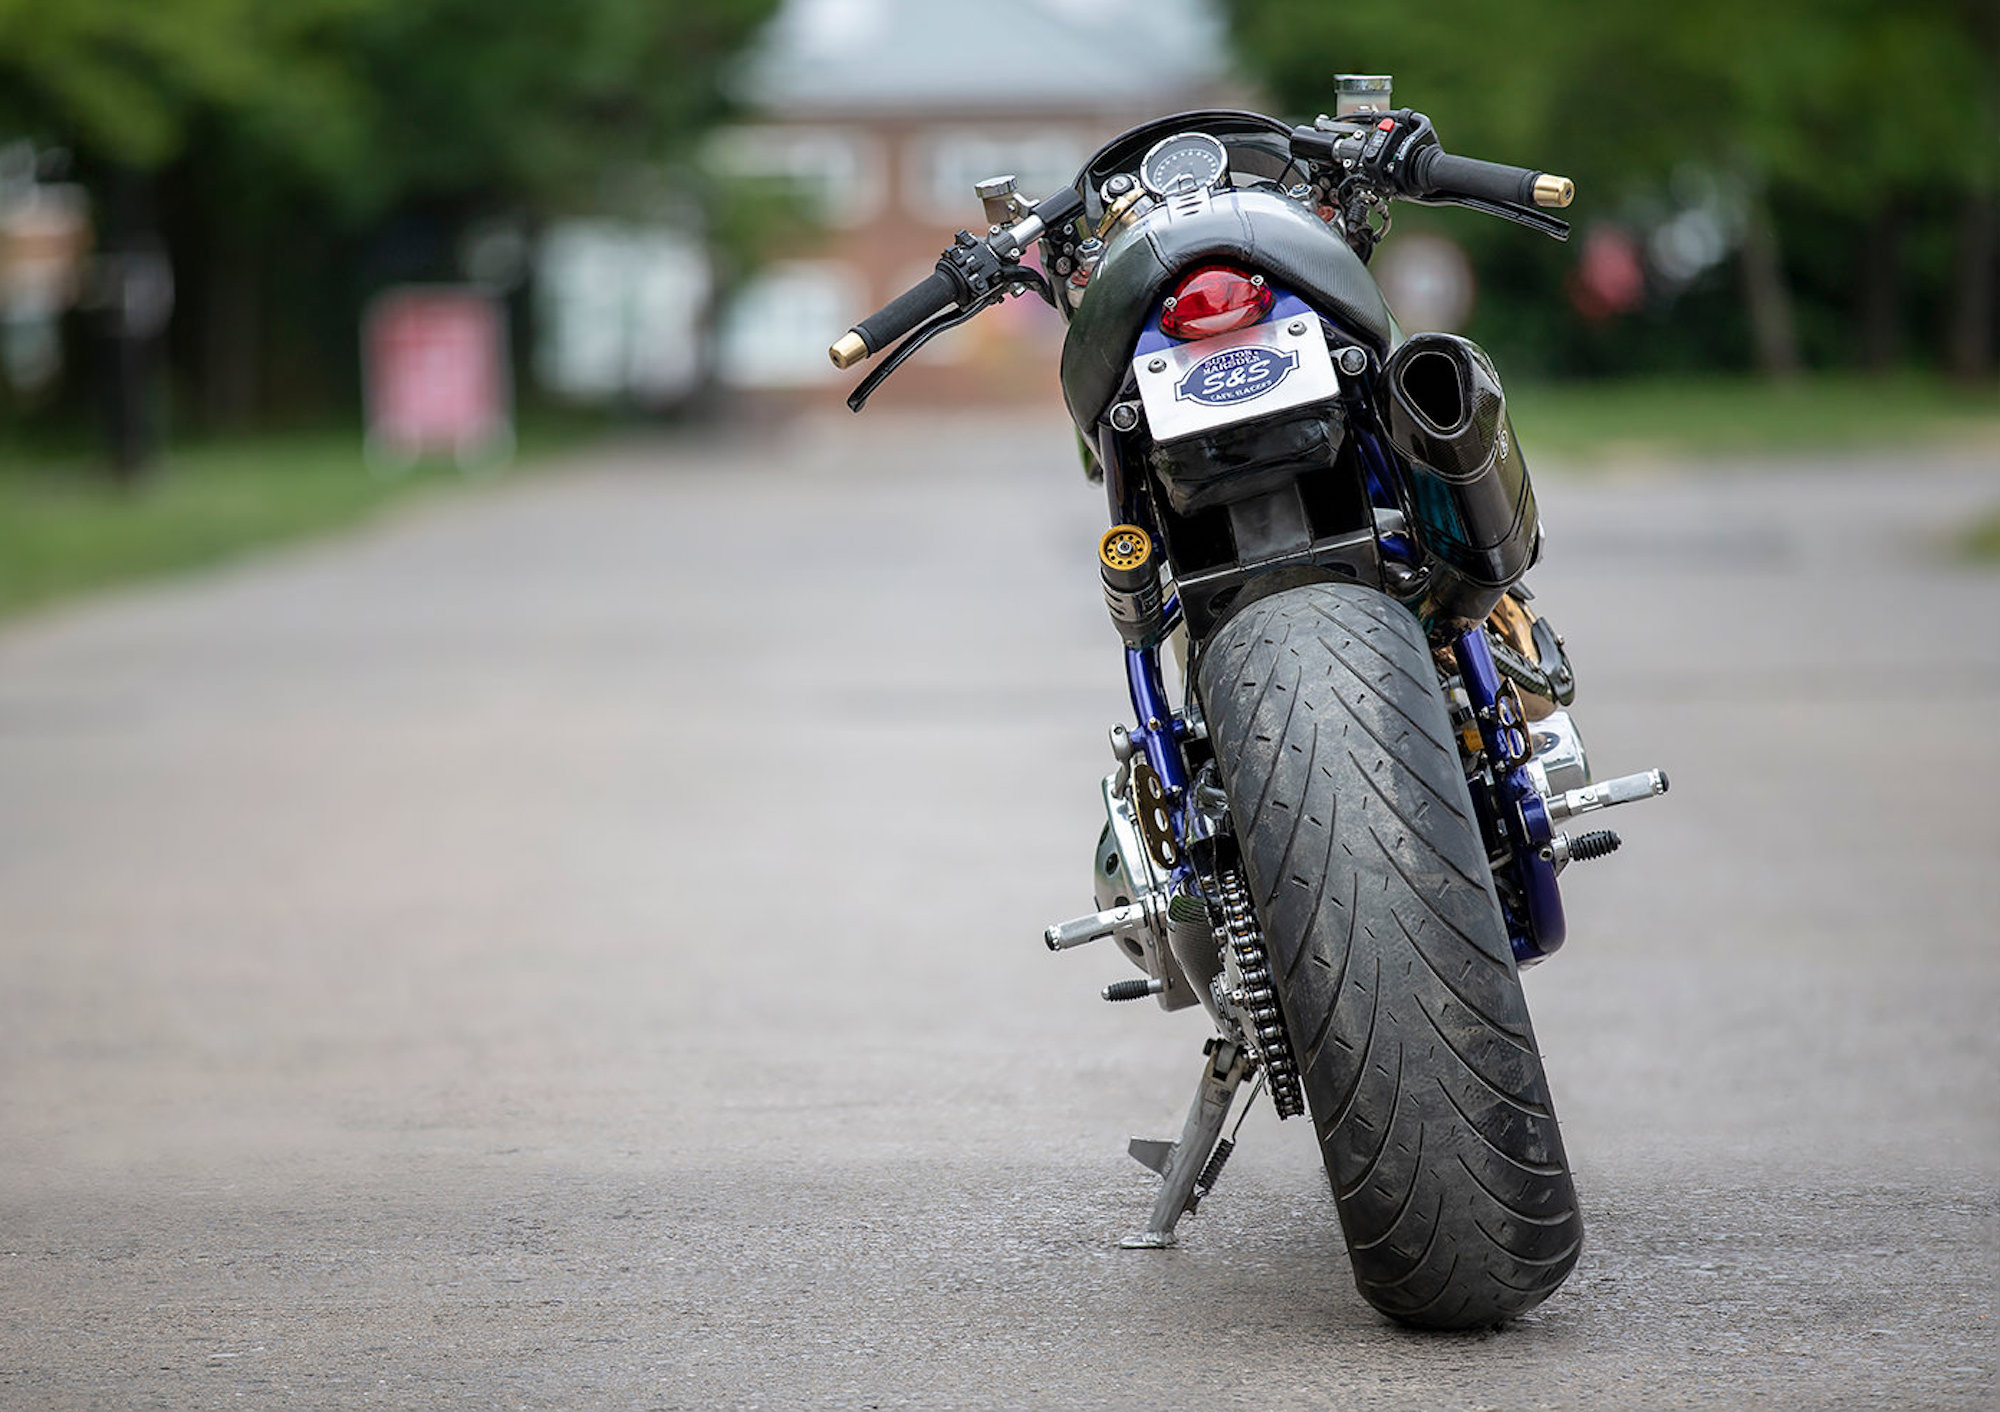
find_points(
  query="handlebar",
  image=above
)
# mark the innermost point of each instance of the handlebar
(923, 301)
(1396, 153)
(1437, 172)
(1401, 152)
(972, 270)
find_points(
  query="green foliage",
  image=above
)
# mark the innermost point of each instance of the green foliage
(1982, 541)
(295, 155)
(1839, 97)
(1839, 119)
(360, 103)
(754, 220)
(63, 532)
(535, 98)
(124, 80)
(1652, 419)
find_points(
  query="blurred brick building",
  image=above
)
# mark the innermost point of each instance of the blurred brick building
(881, 114)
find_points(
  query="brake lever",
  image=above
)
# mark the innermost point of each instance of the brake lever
(1387, 152)
(1520, 215)
(900, 354)
(1016, 275)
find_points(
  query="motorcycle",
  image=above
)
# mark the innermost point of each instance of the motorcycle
(1341, 833)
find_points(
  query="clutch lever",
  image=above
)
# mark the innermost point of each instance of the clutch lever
(1520, 215)
(1015, 276)
(858, 398)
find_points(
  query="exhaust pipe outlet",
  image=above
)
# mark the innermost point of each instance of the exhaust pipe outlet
(1471, 497)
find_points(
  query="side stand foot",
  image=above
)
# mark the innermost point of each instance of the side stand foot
(1180, 1165)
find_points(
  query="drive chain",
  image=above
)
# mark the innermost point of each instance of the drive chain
(1255, 1002)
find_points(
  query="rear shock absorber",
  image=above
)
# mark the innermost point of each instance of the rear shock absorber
(1131, 573)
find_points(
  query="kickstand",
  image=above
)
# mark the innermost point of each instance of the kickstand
(1180, 1164)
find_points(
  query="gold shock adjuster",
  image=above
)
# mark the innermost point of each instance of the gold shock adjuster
(1124, 548)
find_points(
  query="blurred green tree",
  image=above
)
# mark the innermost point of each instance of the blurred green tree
(1864, 110)
(366, 101)
(276, 133)
(122, 80)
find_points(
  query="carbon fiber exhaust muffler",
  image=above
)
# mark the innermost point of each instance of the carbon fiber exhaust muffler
(1471, 497)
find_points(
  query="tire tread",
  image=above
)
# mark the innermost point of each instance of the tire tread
(1445, 1161)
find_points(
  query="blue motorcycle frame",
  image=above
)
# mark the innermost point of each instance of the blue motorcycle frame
(1504, 797)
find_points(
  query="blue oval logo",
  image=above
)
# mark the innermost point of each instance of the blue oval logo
(1235, 375)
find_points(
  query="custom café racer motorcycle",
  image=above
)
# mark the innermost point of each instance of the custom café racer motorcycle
(1341, 834)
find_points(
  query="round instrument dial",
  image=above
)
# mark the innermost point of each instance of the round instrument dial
(1187, 161)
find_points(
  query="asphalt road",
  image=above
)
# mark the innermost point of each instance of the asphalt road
(579, 945)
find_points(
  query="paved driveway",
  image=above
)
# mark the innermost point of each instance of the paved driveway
(578, 945)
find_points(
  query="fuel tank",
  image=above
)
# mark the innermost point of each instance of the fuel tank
(1470, 495)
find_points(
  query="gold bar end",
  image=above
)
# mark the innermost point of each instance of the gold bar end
(847, 350)
(1553, 190)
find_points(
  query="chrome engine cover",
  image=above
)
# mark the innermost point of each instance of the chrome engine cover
(1559, 763)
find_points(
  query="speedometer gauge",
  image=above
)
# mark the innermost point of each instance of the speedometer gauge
(1187, 161)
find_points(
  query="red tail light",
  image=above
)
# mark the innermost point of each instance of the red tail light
(1215, 299)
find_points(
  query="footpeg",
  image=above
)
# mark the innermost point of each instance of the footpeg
(1134, 989)
(1627, 789)
(1128, 922)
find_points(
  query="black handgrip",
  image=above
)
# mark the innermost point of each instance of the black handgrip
(931, 296)
(1438, 173)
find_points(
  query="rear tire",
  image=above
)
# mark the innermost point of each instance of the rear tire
(1397, 985)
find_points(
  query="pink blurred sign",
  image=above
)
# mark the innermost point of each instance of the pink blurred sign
(435, 375)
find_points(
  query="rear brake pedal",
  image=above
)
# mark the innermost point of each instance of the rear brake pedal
(1562, 850)
(1137, 989)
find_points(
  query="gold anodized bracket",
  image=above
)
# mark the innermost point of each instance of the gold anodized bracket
(1119, 210)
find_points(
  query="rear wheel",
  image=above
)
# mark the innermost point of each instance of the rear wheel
(1397, 985)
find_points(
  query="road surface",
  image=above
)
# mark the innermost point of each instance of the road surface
(578, 945)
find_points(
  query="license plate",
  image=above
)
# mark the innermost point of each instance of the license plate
(1189, 388)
